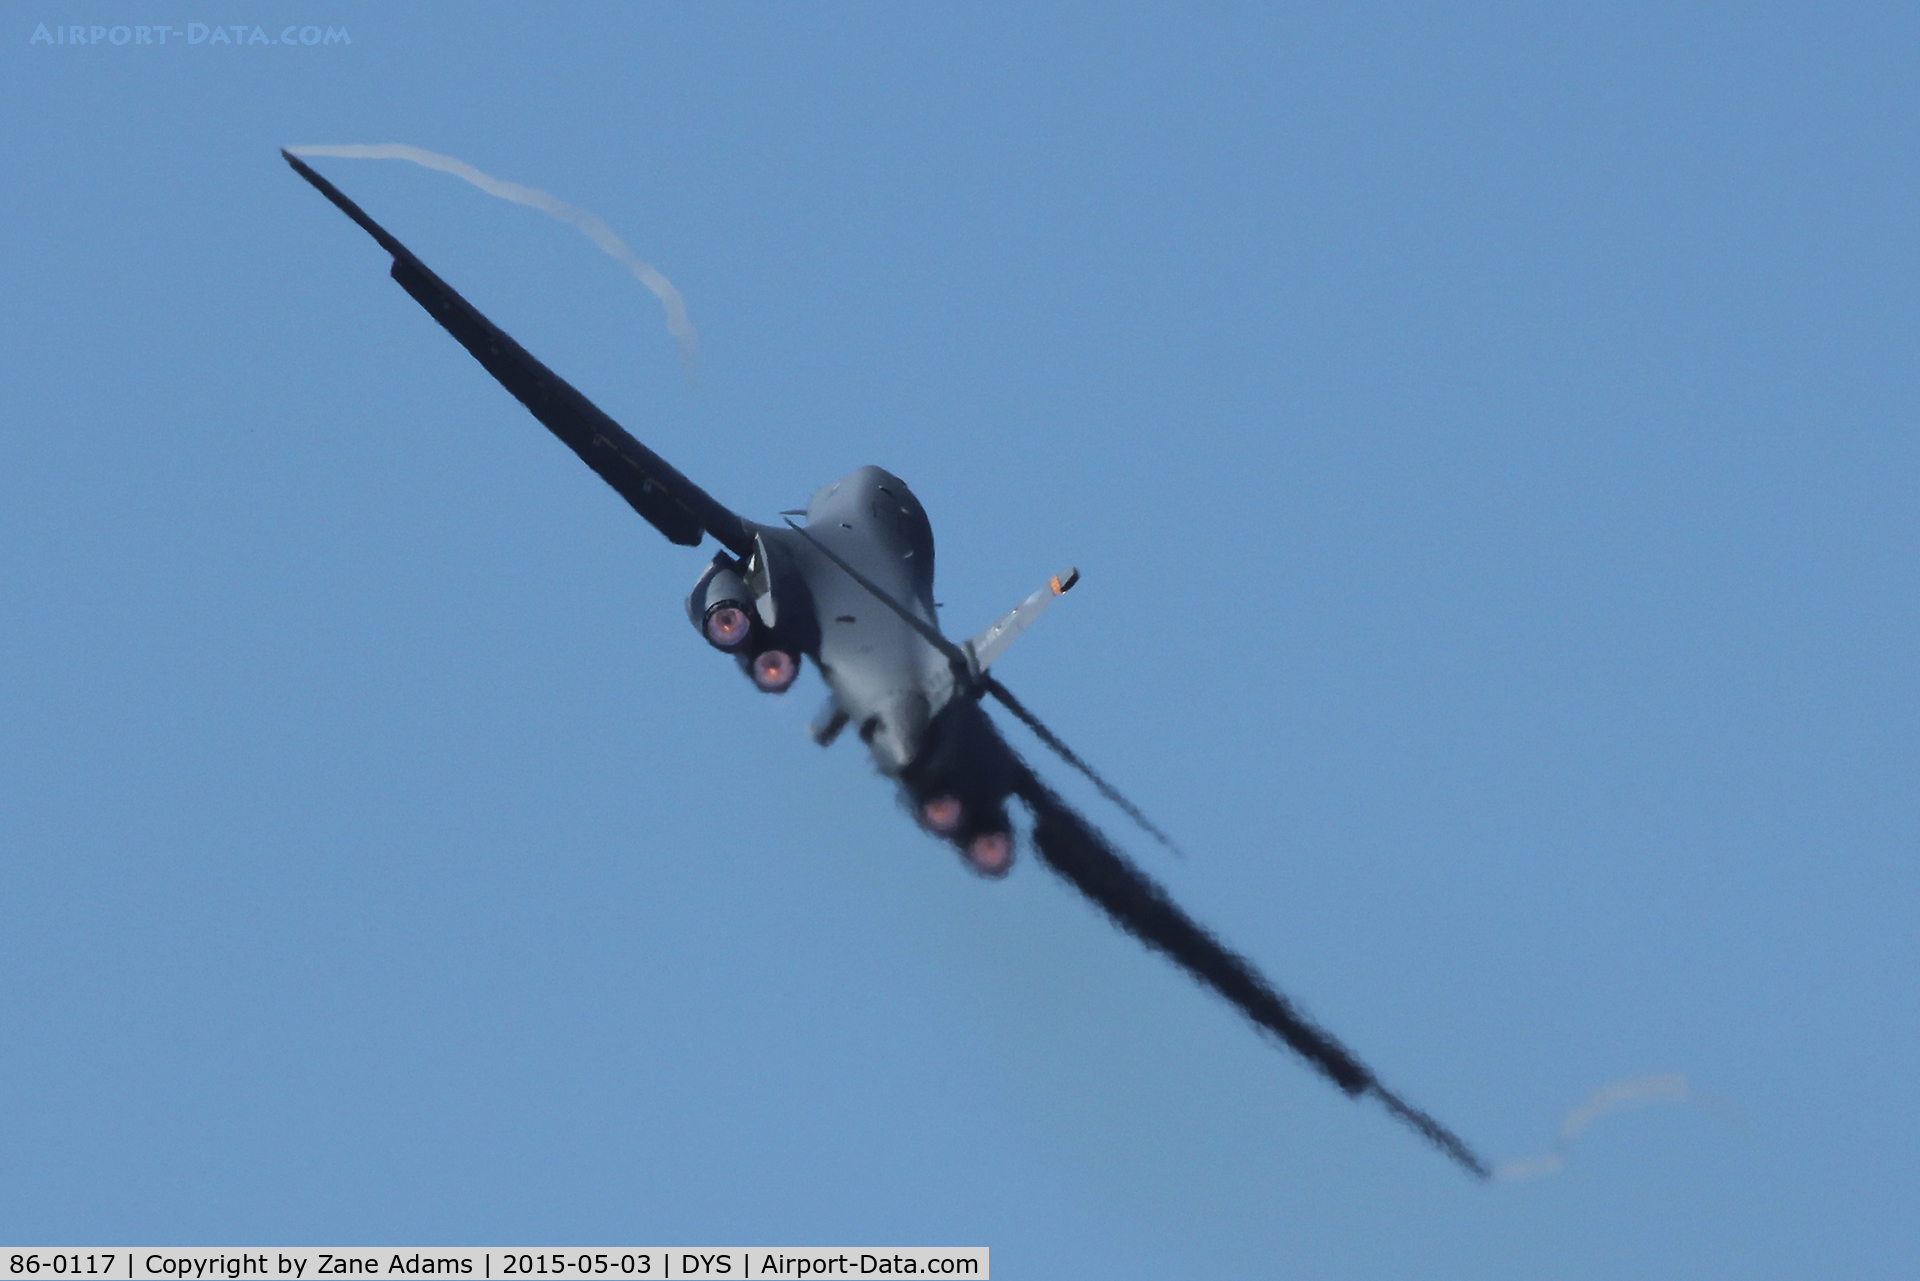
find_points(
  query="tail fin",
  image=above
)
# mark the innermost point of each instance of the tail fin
(990, 644)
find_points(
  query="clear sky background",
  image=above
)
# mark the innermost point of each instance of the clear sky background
(1488, 437)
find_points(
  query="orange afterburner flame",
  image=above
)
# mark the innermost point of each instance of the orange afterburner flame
(991, 853)
(774, 671)
(942, 814)
(727, 627)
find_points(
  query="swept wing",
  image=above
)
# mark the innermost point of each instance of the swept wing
(670, 502)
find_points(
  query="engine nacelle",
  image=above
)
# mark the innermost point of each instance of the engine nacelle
(721, 607)
(735, 619)
(979, 830)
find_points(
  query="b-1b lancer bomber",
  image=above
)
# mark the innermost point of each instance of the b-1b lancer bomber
(851, 589)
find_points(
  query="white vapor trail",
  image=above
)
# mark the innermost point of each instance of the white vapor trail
(586, 223)
(1639, 1092)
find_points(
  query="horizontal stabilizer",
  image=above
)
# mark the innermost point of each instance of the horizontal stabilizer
(827, 724)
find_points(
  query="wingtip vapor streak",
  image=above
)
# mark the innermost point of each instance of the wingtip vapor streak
(852, 590)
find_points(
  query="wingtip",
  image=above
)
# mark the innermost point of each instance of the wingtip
(1435, 1133)
(353, 211)
(305, 170)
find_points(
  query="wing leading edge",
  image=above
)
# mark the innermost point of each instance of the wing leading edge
(1080, 855)
(669, 501)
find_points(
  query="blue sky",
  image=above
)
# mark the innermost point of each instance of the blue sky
(1487, 435)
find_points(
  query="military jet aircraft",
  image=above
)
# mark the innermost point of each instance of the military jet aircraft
(852, 589)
